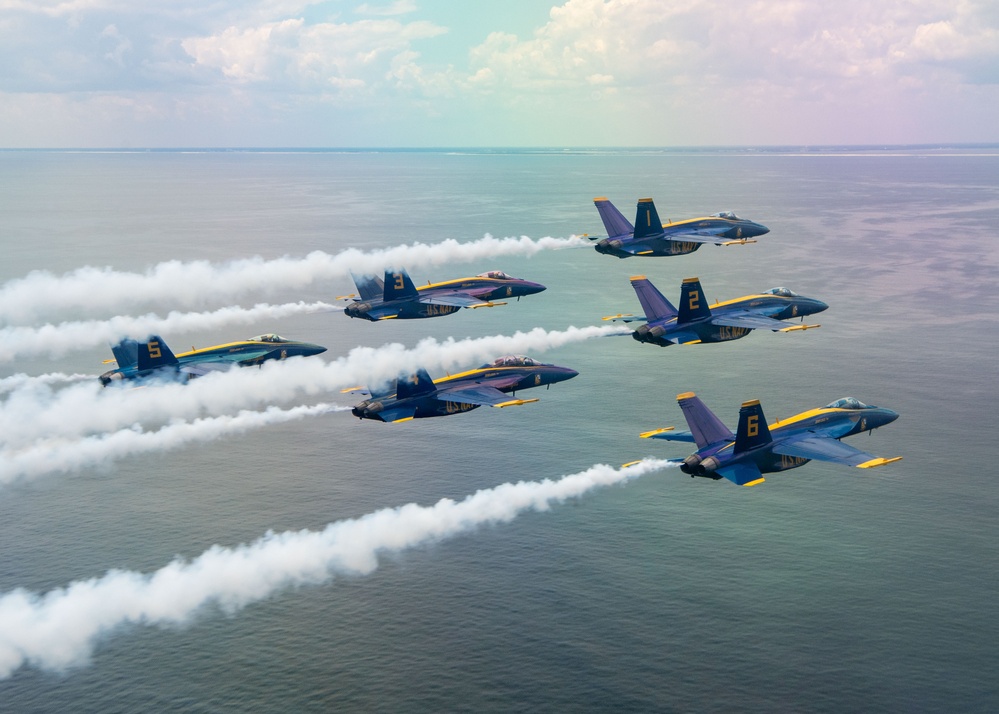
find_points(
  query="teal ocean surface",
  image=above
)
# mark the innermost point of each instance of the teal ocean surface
(824, 589)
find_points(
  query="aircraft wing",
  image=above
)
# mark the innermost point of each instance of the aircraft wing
(742, 474)
(823, 448)
(745, 318)
(755, 321)
(200, 369)
(454, 299)
(480, 394)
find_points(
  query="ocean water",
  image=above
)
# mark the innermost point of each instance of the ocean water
(825, 589)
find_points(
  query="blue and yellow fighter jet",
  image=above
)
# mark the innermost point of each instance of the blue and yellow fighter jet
(494, 385)
(756, 449)
(650, 237)
(153, 359)
(397, 297)
(696, 322)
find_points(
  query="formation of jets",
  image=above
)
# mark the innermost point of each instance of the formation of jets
(742, 457)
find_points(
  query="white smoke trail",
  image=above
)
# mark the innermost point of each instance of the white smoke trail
(58, 629)
(93, 290)
(62, 456)
(88, 409)
(56, 340)
(21, 380)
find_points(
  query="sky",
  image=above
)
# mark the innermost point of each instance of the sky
(510, 73)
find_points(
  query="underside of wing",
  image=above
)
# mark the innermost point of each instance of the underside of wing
(742, 474)
(748, 320)
(454, 299)
(822, 448)
(480, 394)
(202, 368)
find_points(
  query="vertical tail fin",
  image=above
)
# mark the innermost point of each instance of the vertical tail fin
(369, 287)
(615, 223)
(398, 285)
(753, 430)
(126, 353)
(704, 425)
(654, 303)
(693, 304)
(647, 221)
(154, 353)
(416, 384)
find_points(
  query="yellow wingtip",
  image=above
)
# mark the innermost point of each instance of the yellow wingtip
(754, 483)
(647, 434)
(515, 403)
(874, 463)
(630, 464)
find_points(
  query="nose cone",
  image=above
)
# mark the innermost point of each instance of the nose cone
(816, 306)
(757, 229)
(889, 416)
(309, 349)
(529, 288)
(560, 374)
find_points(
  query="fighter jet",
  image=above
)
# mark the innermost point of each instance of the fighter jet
(756, 449)
(696, 322)
(397, 297)
(153, 359)
(494, 384)
(650, 237)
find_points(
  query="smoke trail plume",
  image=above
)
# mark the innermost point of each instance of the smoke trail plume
(59, 629)
(21, 380)
(56, 340)
(88, 409)
(62, 456)
(93, 290)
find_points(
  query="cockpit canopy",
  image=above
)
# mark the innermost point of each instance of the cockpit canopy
(783, 292)
(269, 337)
(847, 403)
(496, 275)
(726, 214)
(513, 361)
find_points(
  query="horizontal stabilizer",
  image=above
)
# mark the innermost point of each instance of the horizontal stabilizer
(742, 474)
(398, 414)
(684, 436)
